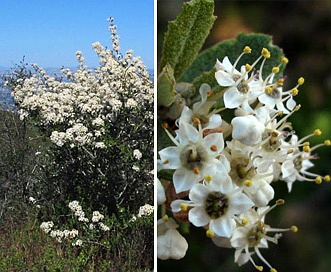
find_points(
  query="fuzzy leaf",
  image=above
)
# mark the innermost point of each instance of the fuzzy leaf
(233, 48)
(166, 87)
(186, 35)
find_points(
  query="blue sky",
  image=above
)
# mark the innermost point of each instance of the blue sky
(50, 32)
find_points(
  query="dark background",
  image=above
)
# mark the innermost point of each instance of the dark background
(303, 30)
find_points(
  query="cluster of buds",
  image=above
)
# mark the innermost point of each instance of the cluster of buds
(222, 170)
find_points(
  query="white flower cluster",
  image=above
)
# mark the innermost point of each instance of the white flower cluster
(77, 209)
(145, 210)
(77, 109)
(58, 234)
(223, 171)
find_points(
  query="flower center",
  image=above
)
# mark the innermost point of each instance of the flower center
(274, 140)
(216, 204)
(242, 85)
(274, 93)
(297, 163)
(193, 156)
(241, 171)
(255, 235)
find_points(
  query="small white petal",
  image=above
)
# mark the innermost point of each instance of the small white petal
(223, 226)
(171, 245)
(184, 179)
(198, 193)
(198, 216)
(240, 203)
(170, 157)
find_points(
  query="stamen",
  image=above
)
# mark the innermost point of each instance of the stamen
(210, 233)
(294, 228)
(165, 218)
(317, 132)
(301, 80)
(318, 180)
(327, 178)
(248, 183)
(244, 221)
(275, 70)
(265, 53)
(196, 170)
(183, 207)
(284, 60)
(213, 148)
(165, 162)
(208, 178)
(247, 50)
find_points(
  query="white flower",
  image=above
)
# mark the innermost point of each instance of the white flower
(216, 202)
(145, 210)
(247, 129)
(192, 155)
(170, 243)
(242, 90)
(97, 216)
(254, 180)
(253, 233)
(137, 154)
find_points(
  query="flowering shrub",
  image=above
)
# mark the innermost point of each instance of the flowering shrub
(224, 146)
(120, 240)
(100, 125)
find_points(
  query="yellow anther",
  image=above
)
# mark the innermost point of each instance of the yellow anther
(318, 180)
(284, 60)
(297, 107)
(208, 178)
(327, 142)
(280, 113)
(327, 178)
(196, 121)
(295, 91)
(248, 67)
(306, 149)
(210, 233)
(294, 228)
(183, 207)
(273, 270)
(265, 53)
(301, 80)
(258, 267)
(244, 221)
(290, 151)
(280, 201)
(196, 170)
(165, 218)
(268, 90)
(248, 182)
(247, 50)
(280, 82)
(260, 225)
(306, 144)
(317, 132)
(275, 70)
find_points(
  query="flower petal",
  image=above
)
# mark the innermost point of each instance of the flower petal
(170, 157)
(198, 216)
(184, 179)
(223, 226)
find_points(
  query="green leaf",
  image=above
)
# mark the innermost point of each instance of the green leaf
(166, 87)
(205, 62)
(186, 35)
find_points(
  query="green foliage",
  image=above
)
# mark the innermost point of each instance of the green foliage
(128, 246)
(166, 82)
(186, 35)
(233, 48)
